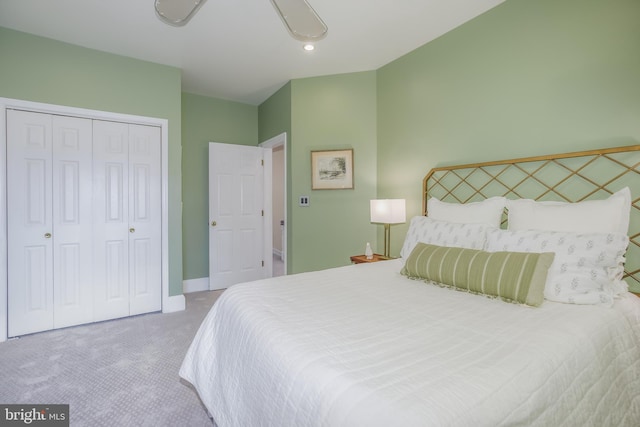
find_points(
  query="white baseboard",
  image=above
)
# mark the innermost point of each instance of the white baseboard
(195, 285)
(173, 303)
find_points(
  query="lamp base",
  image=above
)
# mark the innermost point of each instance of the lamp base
(387, 240)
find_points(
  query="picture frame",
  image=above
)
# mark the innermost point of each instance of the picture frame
(332, 169)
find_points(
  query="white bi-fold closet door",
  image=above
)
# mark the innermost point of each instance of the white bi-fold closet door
(84, 220)
(127, 219)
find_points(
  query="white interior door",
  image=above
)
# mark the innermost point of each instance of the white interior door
(145, 219)
(29, 222)
(127, 219)
(236, 214)
(50, 218)
(111, 219)
(72, 221)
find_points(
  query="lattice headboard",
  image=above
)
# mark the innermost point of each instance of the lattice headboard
(569, 177)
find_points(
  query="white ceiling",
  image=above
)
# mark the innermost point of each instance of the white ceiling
(239, 49)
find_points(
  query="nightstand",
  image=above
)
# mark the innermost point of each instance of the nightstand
(360, 259)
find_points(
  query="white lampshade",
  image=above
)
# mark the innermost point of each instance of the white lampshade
(388, 211)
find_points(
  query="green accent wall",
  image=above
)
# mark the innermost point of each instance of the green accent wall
(38, 69)
(274, 114)
(525, 78)
(205, 120)
(274, 118)
(326, 113)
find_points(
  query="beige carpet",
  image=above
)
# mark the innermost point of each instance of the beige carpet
(115, 373)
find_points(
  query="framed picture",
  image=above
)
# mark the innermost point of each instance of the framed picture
(332, 170)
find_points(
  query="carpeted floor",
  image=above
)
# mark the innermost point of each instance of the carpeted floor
(115, 373)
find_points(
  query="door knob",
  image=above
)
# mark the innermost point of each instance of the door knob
(213, 223)
(132, 230)
(47, 235)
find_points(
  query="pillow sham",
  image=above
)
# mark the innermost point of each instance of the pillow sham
(587, 268)
(591, 216)
(427, 230)
(488, 211)
(510, 276)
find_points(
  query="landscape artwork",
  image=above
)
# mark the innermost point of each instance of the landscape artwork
(332, 170)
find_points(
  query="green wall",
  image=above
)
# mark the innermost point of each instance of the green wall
(274, 114)
(43, 70)
(328, 113)
(206, 120)
(274, 118)
(525, 78)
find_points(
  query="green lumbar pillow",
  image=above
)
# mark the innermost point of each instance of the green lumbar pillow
(511, 276)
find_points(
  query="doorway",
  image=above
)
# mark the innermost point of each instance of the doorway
(278, 146)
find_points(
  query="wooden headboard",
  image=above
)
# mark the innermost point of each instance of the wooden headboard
(568, 177)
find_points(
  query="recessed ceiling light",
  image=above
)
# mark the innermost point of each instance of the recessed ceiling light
(308, 47)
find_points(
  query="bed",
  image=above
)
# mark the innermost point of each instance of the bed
(365, 345)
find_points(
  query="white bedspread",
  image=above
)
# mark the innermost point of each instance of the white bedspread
(364, 346)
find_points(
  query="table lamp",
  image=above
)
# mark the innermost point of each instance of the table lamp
(387, 212)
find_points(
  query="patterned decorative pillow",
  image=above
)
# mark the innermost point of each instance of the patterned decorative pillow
(510, 276)
(488, 211)
(426, 230)
(587, 269)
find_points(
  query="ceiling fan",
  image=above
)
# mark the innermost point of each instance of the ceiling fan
(301, 20)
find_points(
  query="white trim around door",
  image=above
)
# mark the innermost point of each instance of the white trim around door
(271, 143)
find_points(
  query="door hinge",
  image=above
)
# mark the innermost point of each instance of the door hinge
(262, 212)
(263, 263)
(262, 162)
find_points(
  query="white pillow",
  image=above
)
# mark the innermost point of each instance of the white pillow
(591, 216)
(443, 233)
(488, 211)
(587, 268)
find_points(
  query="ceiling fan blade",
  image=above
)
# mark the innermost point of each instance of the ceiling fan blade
(301, 20)
(177, 12)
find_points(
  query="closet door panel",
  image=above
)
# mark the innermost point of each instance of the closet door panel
(72, 221)
(29, 222)
(145, 219)
(84, 220)
(110, 216)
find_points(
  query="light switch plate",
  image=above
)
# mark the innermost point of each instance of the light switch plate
(303, 201)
